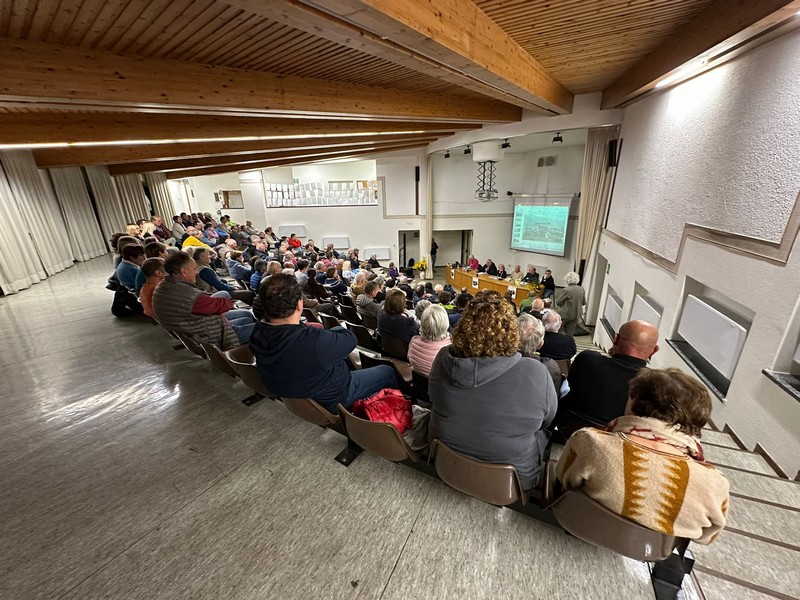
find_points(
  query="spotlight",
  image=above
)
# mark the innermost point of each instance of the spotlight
(505, 144)
(447, 153)
(468, 150)
(557, 138)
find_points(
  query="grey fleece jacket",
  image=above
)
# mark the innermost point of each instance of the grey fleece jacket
(493, 409)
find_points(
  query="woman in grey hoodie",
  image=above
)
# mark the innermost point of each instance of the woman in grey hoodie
(490, 402)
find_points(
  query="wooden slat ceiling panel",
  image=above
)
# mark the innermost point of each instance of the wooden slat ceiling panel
(587, 44)
(207, 32)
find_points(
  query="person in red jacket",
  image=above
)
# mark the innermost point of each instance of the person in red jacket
(294, 242)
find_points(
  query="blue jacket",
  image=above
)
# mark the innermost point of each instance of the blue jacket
(126, 274)
(239, 271)
(304, 362)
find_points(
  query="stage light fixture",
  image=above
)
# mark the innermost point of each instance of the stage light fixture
(505, 144)
(468, 150)
(557, 138)
(447, 153)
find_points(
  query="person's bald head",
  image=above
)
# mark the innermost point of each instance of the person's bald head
(638, 339)
(537, 305)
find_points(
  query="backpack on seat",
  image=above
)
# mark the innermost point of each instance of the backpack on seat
(387, 406)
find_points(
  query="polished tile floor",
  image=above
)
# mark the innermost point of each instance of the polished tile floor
(131, 470)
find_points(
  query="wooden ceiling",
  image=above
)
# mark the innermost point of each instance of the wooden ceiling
(195, 86)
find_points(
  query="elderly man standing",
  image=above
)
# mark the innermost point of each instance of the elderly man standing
(570, 302)
(599, 384)
(180, 306)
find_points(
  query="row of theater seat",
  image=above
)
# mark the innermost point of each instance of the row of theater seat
(492, 483)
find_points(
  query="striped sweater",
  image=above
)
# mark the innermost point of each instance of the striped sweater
(672, 494)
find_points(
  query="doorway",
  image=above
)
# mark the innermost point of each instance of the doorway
(407, 246)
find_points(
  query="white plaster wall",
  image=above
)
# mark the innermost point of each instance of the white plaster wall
(721, 150)
(204, 188)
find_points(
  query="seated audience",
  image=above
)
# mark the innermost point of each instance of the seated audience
(134, 231)
(525, 303)
(359, 282)
(208, 281)
(301, 274)
(433, 336)
(653, 449)
(557, 346)
(153, 269)
(180, 306)
(178, 230)
(599, 384)
(296, 361)
(402, 284)
(549, 284)
(193, 237)
(392, 271)
(537, 308)
(333, 282)
(419, 308)
(531, 276)
(238, 269)
(490, 402)
(294, 242)
(314, 288)
(259, 270)
(373, 261)
(531, 338)
(365, 302)
(393, 322)
(155, 250)
(129, 272)
(461, 302)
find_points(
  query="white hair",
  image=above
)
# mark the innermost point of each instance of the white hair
(537, 305)
(288, 271)
(434, 323)
(438, 288)
(420, 308)
(552, 321)
(572, 278)
(531, 333)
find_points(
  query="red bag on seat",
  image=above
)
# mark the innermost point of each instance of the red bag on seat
(387, 406)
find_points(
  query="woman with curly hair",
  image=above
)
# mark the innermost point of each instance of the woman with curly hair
(490, 402)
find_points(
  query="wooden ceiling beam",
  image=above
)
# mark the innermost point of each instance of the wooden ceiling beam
(452, 40)
(717, 32)
(156, 153)
(33, 71)
(244, 159)
(280, 162)
(84, 128)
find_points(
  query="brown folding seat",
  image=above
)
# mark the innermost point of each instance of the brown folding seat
(218, 359)
(351, 315)
(242, 361)
(310, 316)
(394, 347)
(191, 344)
(310, 410)
(365, 340)
(328, 321)
(401, 369)
(370, 321)
(493, 483)
(592, 522)
(379, 438)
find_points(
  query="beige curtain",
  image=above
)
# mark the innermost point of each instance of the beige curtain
(131, 194)
(109, 207)
(83, 229)
(595, 184)
(20, 267)
(159, 193)
(39, 211)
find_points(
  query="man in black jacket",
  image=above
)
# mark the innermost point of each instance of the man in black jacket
(297, 361)
(557, 346)
(599, 384)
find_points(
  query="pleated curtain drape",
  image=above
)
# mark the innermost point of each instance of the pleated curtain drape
(159, 193)
(20, 266)
(39, 210)
(131, 194)
(106, 199)
(83, 229)
(595, 185)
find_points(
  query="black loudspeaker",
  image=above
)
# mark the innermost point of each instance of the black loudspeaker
(416, 174)
(612, 153)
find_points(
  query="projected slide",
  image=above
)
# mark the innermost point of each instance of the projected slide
(540, 228)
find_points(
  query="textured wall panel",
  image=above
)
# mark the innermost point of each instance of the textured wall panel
(721, 150)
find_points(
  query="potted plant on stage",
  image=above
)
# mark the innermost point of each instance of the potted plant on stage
(422, 267)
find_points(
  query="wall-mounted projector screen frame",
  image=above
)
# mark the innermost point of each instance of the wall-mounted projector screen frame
(540, 224)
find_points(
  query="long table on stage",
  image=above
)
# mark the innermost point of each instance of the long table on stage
(463, 278)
